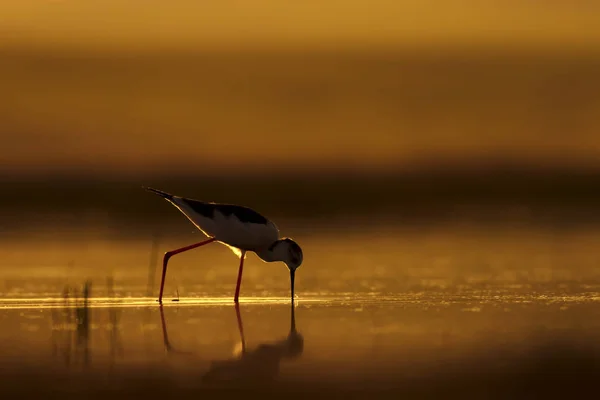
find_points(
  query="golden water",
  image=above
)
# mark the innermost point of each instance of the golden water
(453, 312)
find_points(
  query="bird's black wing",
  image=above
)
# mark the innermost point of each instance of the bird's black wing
(244, 214)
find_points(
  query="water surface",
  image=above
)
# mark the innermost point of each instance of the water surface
(425, 313)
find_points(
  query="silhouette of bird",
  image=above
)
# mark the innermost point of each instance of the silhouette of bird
(259, 365)
(240, 228)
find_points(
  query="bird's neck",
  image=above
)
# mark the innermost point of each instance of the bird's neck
(266, 255)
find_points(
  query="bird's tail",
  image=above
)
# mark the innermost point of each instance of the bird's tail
(159, 192)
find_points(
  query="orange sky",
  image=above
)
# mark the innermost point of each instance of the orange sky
(123, 116)
(116, 23)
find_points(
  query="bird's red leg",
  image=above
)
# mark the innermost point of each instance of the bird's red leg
(239, 280)
(169, 254)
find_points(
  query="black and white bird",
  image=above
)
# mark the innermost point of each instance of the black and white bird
(240, 228)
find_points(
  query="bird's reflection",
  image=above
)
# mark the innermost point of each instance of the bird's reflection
(259, 364)
(168, 347)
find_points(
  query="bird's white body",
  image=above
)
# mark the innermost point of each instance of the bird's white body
(229, 230)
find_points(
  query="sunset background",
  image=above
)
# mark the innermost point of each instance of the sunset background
(437, 161)
(301, 110)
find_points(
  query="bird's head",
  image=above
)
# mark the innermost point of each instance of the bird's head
(288, 251)
(285, 250)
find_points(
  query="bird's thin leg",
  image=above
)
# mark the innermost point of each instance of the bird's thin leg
(240, 327)
(239, 279)
(169, 254)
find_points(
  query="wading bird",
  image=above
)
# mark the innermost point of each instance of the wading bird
(240, 228)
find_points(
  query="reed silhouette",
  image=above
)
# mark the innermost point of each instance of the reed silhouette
(114, 334)
(71, 326)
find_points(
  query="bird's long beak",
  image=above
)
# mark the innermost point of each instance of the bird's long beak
(292, 276)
